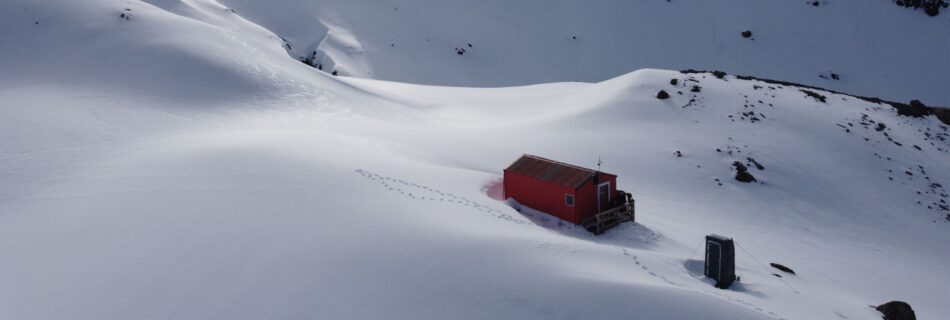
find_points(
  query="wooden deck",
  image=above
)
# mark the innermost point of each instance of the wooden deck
(603, 221)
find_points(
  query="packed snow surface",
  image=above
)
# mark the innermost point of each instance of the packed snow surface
(172, 160)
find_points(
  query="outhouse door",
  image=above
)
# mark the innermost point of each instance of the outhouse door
(713, 260)
(603, 196)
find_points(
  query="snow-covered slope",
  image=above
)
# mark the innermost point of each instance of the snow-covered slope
(179, 164)
(875, 47)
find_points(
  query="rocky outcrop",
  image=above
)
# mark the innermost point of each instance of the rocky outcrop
(897, 310)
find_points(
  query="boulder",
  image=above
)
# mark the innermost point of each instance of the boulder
(897, 310)
(782, 267)
(742, 173)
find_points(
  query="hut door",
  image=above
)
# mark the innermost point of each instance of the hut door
(603, 196)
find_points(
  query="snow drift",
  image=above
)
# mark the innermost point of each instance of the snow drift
(180, 164)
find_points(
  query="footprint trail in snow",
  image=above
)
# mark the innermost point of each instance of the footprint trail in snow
(419, 192)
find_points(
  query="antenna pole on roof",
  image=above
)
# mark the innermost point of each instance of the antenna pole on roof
(598, 163)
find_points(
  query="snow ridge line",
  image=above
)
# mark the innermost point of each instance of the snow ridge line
(914, 109)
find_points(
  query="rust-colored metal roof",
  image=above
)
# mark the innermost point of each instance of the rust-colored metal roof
(552, 171)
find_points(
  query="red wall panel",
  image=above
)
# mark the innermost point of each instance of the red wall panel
(549, 198)
(540, 195)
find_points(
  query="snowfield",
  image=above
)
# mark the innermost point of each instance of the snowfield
(875, 47)
(170, 160)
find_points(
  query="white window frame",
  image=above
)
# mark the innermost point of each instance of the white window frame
(573, 199)
(598, 195)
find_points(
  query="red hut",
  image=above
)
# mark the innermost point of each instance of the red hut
(583, 196)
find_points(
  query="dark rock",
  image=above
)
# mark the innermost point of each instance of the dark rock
(717, 73)
(915, 109)
(747, 34)
(696, 89)
(742, 173)
(897, 310)
(674, 81)
(755, 163)
(662, 95)
(917, 104)
(815, 95)
(781, 267)
(943, 114)
(932, 9)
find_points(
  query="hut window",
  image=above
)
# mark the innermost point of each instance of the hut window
(569, 199)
